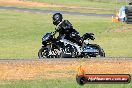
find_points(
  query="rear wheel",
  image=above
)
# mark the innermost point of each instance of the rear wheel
(101, 52)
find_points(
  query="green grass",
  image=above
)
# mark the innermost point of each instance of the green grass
(58, 83)
(20, 33)
(92, 6)
(86, 3)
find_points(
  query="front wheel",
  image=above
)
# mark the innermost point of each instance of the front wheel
(101, 52)
(47, 52)
(43, 53)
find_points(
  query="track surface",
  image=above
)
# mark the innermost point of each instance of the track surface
(61, 68)
(51, 11)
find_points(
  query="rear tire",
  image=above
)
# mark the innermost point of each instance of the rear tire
(101, 51)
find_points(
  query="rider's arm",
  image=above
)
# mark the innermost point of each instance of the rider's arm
(66, 25)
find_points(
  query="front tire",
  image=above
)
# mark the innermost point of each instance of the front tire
(43, 52)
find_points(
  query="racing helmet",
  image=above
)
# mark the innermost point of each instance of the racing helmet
(57, 18)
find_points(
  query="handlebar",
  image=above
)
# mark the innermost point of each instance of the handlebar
(88, 36)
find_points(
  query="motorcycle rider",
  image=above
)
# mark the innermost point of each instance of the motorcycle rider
(64, 27)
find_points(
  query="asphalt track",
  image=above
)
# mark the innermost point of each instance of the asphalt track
(66, 59)
(53, 11)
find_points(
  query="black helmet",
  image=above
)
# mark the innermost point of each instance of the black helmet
(57, 18)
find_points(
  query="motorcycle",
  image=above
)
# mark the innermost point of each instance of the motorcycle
(64, 48)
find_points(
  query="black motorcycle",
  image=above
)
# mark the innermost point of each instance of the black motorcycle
(63, 48)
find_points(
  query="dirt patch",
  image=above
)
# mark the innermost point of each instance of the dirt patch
(123, 28)
(42, 4)
(24, 3)
(51, 69)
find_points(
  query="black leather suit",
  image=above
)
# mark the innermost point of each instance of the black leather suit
(66, 28)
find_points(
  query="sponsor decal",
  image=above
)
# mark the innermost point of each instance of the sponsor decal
(83, 78)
